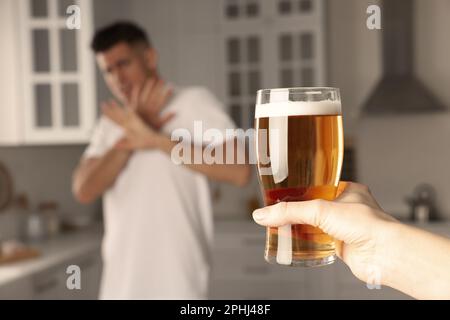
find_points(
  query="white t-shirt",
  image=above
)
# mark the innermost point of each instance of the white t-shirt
(158, 216)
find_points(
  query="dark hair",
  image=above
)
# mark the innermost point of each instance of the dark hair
(123, 31)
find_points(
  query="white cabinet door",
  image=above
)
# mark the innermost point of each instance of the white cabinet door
(239, 270)
(17, 290)
(50, 284)
(50, 91)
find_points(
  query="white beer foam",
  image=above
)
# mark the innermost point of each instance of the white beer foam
(297, 108)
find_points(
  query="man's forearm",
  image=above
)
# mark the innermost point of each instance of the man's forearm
(93, 178)
(237, 174)
(417, 262)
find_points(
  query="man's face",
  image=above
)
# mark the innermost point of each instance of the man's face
(124, 67)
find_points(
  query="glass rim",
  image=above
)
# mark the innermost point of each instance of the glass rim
(298, 89)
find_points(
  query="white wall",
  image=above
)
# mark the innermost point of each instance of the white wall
(395, 154)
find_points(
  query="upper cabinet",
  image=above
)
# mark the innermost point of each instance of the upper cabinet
(47, 84)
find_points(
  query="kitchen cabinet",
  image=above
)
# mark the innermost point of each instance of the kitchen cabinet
(47, 84)
(50, 284)
(20, 289)
(239, 270)
(46, 276)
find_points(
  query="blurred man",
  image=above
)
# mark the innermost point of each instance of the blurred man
(158, 219)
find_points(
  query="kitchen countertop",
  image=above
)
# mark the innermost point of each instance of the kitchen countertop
(54, 251)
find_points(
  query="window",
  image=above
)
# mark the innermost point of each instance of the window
(244, 78)
(241, 9)
(296, 59)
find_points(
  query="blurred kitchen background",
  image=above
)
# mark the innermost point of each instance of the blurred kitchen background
(51, 89)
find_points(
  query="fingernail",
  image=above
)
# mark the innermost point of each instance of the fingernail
(259, 214)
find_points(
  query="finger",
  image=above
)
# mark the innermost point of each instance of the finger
(122, 111)
(147, 89)
(112, 110)
(350, 186)
(123, 144)
(119, 111)
(163, 120)
(108, 111)
(162, 98)
(339, 247)
(302, 212)
(103, 105)
(134, 101)
(154, 94)
(339, 220)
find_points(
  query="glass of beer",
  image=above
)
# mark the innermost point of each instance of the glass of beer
(299, 149)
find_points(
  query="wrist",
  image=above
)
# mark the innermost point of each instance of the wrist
(161, 142)
(387, 253)
(122, 152)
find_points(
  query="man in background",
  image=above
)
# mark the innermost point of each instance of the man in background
(158, 215)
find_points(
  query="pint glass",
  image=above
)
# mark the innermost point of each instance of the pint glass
(299, 148)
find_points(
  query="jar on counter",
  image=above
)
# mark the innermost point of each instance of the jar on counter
(423, 204)
(49, 211)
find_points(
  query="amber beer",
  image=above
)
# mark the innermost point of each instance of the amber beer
(299, 153)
